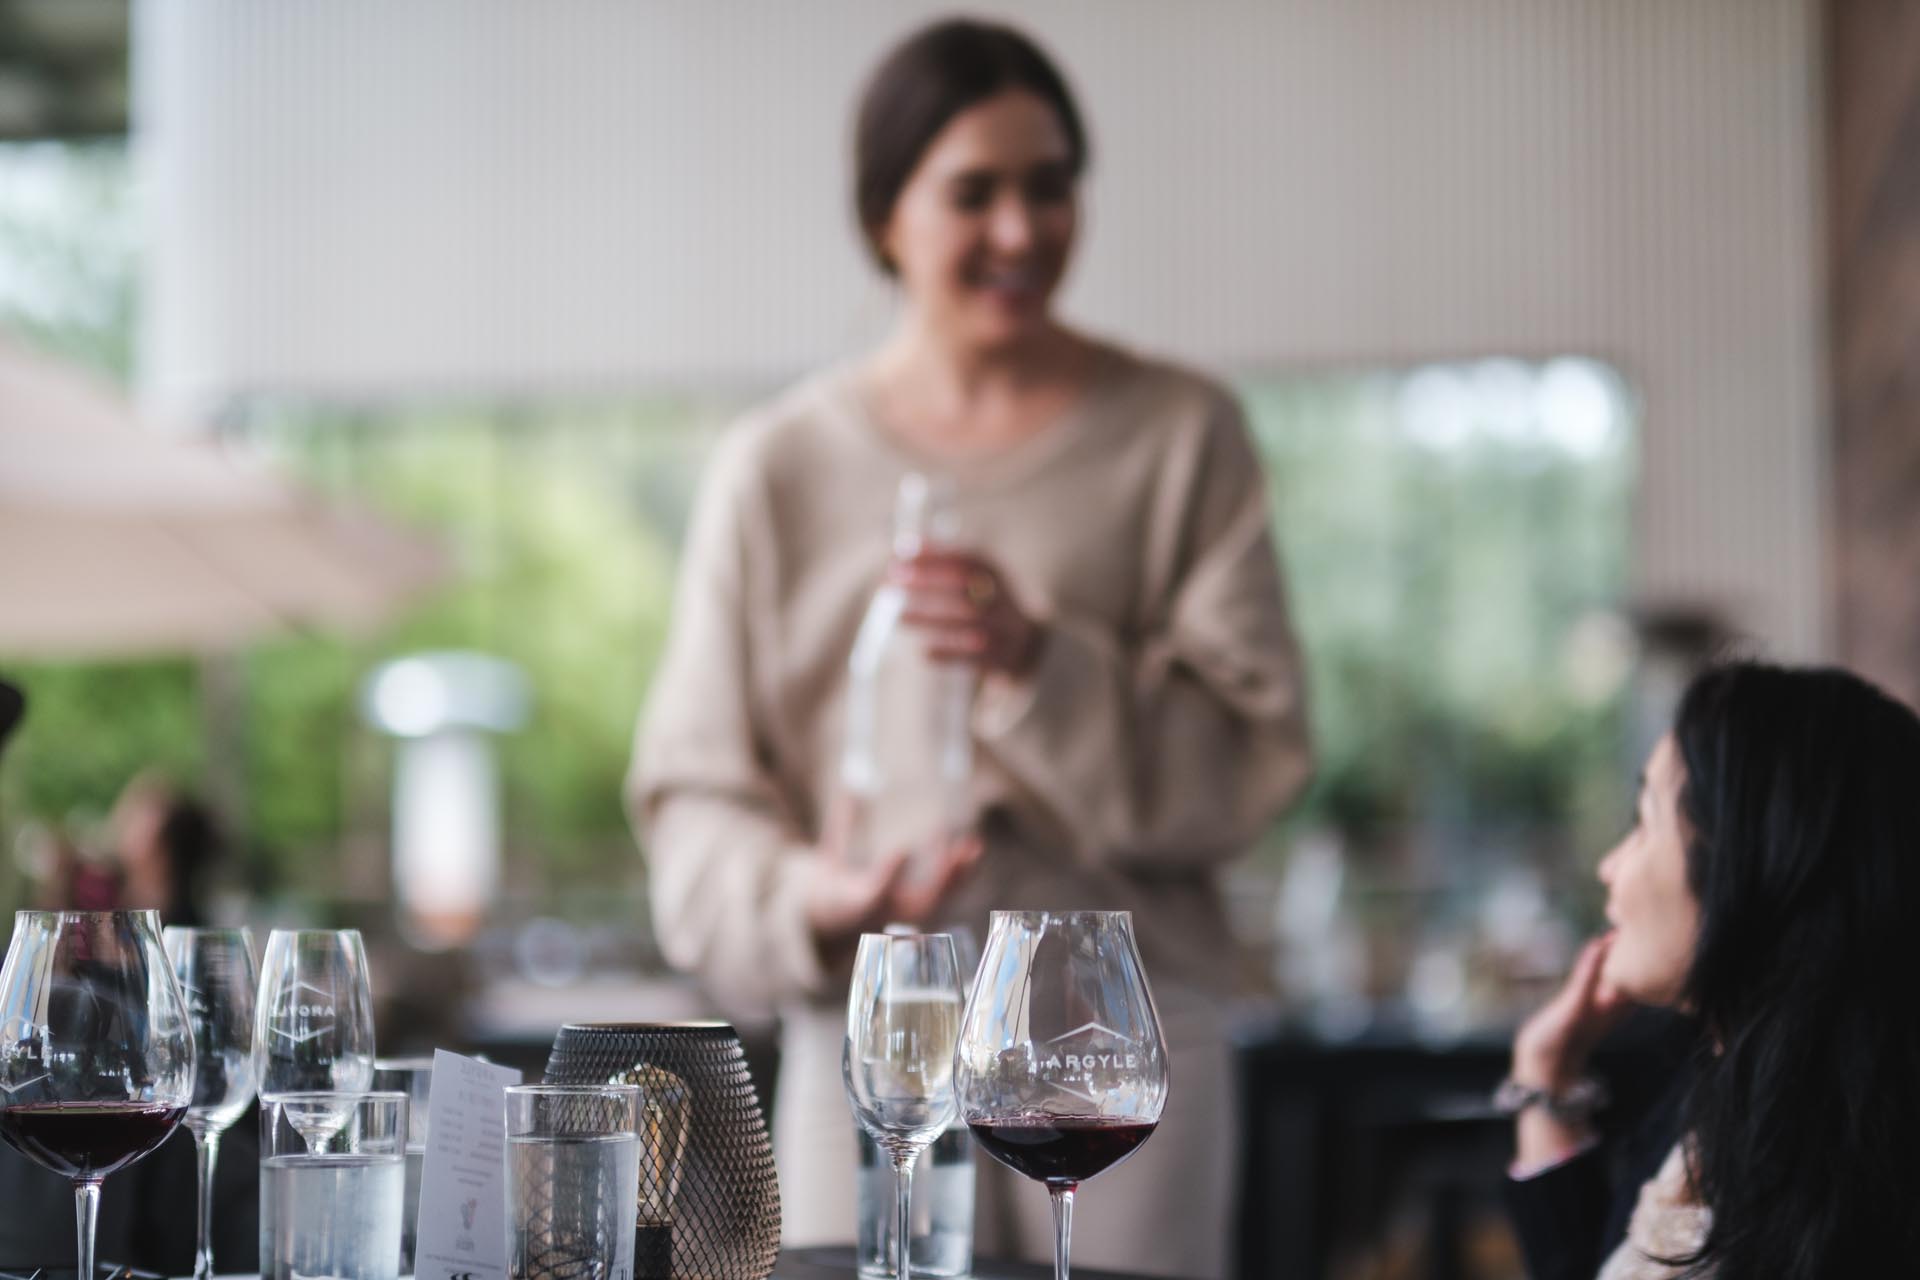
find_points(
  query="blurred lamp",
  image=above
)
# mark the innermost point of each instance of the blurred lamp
(446, 795)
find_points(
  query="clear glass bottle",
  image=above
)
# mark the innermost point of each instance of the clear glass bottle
(906, 759)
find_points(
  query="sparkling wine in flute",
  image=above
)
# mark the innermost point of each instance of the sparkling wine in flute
(903, 1016)
(906, 1066)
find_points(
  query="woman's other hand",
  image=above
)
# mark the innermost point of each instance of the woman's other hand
(1551, 1050)
(962, 602)
(846, 901)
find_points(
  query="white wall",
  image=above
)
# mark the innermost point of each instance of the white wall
(393, 197)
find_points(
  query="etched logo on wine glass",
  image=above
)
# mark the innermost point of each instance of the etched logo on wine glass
(303, 1013)
(1087, 1060)
(26, 1044)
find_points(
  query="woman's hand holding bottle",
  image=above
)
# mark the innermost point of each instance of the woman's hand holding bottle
(961, 600)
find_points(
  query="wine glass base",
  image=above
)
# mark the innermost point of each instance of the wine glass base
(101, 1271)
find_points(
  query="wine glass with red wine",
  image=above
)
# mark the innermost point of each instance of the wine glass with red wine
(96, 1052)
(1061, 1070)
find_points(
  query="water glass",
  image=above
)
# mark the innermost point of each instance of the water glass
(413, 1077)
(943, 1192)
(331, 1205)
(573, 1181)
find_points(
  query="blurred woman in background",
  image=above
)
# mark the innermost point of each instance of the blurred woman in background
(1768, 890)
(168, 848)
(1139, 720)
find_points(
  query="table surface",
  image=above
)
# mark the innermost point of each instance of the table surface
(832, 1262)
(835, 1262)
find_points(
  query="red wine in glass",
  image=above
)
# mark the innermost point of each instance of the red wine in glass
(96, 1053)
(88, 1140)
(1061, 1069)
(1060, 1149)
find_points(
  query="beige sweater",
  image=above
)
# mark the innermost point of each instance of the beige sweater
(1161, 732)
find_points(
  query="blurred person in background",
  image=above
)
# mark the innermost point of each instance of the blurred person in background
(1767, 891)
(1139, 720)
(159, 850)
(66, 876)
(168, 848)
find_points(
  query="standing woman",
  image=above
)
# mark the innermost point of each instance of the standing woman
(1139, 720)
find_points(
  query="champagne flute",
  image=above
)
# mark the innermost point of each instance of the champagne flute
(96, 1053)
(1061, 1069)
(313, 1027)
(217, 976)
(903, 1013)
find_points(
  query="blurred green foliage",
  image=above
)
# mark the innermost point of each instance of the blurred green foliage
(1457, 603)
(559, 571)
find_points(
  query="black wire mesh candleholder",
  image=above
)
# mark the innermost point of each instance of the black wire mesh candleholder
(709, 1199)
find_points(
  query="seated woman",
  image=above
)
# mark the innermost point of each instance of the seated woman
(1770, 891)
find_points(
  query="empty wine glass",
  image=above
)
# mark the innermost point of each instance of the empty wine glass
(96, 1054)
(903, 1014)
(1061, 1070)
(217, 977)
(313, 1026)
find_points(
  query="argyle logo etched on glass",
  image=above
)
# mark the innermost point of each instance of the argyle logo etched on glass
(27, 1046)
(1088, 1060)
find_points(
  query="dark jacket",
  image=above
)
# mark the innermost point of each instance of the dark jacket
(1571, 1218)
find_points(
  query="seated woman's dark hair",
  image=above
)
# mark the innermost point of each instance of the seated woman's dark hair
(928, 79)
(1803, 793)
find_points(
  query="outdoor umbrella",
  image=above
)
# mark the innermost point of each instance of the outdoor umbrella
(120, 539)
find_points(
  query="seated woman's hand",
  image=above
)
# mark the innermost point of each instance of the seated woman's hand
(1552, 1048)
(962, 602)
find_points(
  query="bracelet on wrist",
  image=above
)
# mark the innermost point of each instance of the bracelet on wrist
(1574, 1104)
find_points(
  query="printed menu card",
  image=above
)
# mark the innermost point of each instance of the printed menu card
(463, 1199)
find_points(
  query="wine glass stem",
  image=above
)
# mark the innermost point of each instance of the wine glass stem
(1062, 1228)
(206, 1151)
(86, 1208)
(903, 1211)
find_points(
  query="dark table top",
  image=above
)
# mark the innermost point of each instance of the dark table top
(836, 1263)
(829, 1263)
